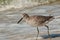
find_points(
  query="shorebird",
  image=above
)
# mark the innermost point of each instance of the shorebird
(37, 21)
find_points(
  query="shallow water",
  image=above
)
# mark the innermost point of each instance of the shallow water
(10, 30)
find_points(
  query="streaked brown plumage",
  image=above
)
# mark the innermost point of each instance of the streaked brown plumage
(37, 21)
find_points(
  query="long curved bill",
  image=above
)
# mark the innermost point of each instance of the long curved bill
(20, 20)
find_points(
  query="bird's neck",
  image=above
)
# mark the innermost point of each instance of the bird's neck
(26, 17)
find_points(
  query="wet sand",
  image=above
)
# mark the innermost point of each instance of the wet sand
(10, 30)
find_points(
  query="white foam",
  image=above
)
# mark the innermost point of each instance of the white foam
(23, 3)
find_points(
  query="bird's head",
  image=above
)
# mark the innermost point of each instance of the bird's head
(24, 16)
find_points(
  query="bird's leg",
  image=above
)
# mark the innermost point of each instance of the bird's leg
(37, 33)
(48, 31)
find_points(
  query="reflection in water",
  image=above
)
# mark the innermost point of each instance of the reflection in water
(52, 36)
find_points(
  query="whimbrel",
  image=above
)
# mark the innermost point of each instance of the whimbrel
(37, 21)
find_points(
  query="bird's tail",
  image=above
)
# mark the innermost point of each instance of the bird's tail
(51, 12)
(56, 17)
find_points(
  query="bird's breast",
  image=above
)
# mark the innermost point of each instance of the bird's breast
(33, 22)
